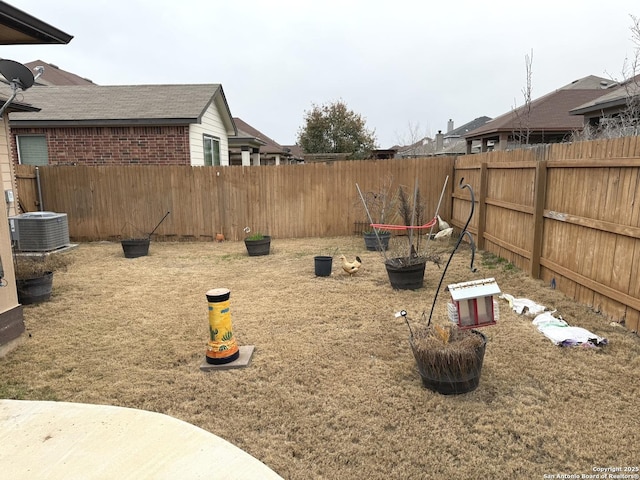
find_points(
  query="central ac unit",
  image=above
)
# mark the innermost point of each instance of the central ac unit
(39, 231)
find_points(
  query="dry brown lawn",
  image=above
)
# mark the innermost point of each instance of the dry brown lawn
(332, 390)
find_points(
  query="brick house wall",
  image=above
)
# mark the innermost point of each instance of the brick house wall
(126, 145)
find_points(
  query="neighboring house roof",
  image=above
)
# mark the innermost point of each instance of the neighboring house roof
(467, 127)
(20, 28)
(95, 105)
(296, 151)
(616, 97)
(269, 146)
(53, 75)
(5, 94)
(424, 146)
(549, 113)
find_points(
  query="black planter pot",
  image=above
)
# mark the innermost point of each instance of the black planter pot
(371, 242)
(405, 277)
(35, 289)
(258, 247)
(135, 247)
(323, 265)
(457, 378)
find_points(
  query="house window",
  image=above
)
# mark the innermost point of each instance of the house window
(32, 150)
(211, 151)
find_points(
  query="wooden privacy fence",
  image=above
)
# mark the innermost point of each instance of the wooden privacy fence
(318, 199)
(565, 212)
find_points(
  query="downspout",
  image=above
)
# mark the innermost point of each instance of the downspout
(40, 206)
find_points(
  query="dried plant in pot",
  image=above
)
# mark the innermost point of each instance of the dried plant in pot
(406, 264)
(449, 359)
(34, 275)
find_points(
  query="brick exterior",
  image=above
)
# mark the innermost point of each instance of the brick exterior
(127, 145)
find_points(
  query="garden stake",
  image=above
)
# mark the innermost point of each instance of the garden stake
(165, 216)
(446, 180)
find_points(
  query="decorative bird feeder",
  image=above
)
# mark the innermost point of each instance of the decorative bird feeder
(473, 304)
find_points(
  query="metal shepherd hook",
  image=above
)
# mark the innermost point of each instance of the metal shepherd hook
(462, 234)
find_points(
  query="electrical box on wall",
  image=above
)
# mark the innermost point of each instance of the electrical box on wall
(8, 196)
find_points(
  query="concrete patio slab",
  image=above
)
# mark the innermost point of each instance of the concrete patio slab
(66, 441)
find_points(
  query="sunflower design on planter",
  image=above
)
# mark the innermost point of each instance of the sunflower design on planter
(221, 347)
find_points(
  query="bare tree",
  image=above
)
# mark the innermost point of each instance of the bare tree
(522, 133)
(416, 139)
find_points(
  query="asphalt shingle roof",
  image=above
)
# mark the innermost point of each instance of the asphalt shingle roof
(56, 76)
(96, 103)
(548, 113)
(271, 146)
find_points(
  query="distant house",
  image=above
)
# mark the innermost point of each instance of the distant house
(109, 125)
(450, 143)
(617, 99)
(265, 150)
(453, 142)
(297, 154)
(420, 148)
(53, 75)
(548, 120)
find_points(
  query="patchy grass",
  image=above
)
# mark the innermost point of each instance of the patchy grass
(332, 390)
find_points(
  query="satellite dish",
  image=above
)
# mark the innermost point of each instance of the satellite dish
(16, 73)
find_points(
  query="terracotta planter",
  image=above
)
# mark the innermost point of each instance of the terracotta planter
(258, 247)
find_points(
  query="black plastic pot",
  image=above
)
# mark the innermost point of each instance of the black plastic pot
(258, 247)
(371, 242)
(454, 380)
(135, 247)
(323, 265)
(35, 289)
(406, 277)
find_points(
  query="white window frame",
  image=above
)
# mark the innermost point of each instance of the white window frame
(20, 146)
(213, 144)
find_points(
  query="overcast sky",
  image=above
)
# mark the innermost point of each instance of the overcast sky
(397, 63)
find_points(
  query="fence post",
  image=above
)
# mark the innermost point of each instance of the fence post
(540, 195)
(482, 205)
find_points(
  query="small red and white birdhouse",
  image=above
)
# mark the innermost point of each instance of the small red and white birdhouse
(473, 304)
